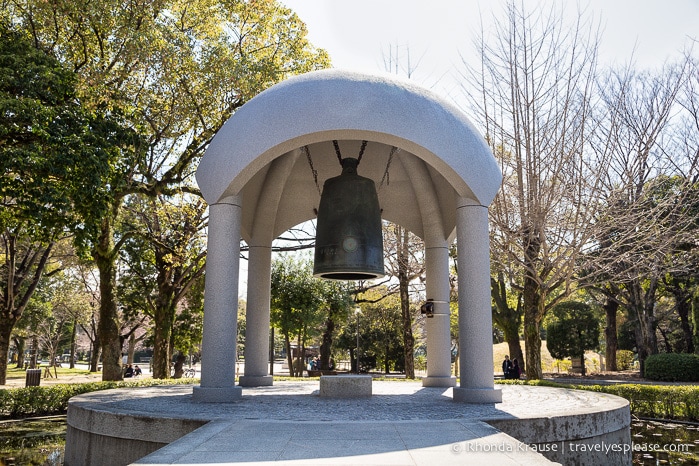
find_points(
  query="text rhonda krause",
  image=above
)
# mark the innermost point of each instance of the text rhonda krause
(564, 447)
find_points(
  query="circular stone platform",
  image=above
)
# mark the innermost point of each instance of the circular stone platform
(290, 421)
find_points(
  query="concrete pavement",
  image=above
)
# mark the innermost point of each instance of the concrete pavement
(402, 423)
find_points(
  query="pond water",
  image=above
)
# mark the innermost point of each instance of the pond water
(665, 443)
(33, 442)
(41, 442)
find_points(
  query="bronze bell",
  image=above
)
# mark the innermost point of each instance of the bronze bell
(349, 243)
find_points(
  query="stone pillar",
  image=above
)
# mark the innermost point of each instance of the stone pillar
(437, 276)
(221, 304)
(257, 318)
(438, 334)
(475, 314)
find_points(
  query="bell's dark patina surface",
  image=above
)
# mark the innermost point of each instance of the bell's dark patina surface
(349, 244)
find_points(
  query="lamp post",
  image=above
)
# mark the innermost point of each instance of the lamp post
(357, 312)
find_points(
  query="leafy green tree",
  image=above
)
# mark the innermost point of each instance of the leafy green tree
(682, 278)
(571, 330)
(295, 303)
(69, 306)
(86, 274)
(647, 249)
(165, 254)
(52, 153)
(336, 302)
(178, 69)
(380, 337)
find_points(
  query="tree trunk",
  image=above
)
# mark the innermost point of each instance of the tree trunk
(108, 327)
(508, 319)
(642, 303)
(72, 344)
(5, 333)
(666, 341)
(326, 344)
(15, 297)
(695, 320)
(302, 356)
(19, 344)
(271, 351)
(510, 329)
(298, 362)
(353, 361)
(532, 324)
(408, 338)
(683, 309)
(406, 316)
(131, 348)
(610, 333)
(289, 356)
(385, 360)
(33, 361)
(179, 366)
(95, 355)
(514, 346)
(532, 343)
(162, 335)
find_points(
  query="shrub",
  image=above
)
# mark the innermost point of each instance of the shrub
(558, 366)
(624, 359)
(672, 367)
(40, 401)
(572, 329)
(672, 402)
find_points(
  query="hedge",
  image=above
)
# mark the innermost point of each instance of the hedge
(672, 402)
(672, 367)
(42, 401)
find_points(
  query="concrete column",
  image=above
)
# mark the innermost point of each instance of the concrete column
(437, 276)
(221, 304)
(259, 272)
(257, 318)
(475, 314)
(438, 334)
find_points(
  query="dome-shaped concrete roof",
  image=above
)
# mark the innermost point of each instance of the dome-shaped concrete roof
(417, 142)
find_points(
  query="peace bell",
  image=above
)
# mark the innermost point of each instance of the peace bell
(349, 244)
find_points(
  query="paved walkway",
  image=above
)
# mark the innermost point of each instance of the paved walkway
(364, 443)
(403, 423)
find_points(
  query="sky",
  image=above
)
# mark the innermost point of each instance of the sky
(439, 34)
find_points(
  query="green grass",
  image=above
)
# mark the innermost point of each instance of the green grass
(548, 363)
(14, 373)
